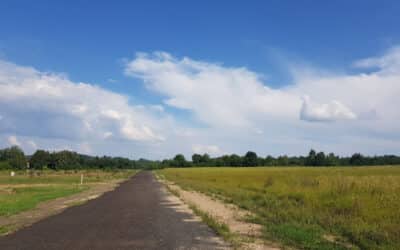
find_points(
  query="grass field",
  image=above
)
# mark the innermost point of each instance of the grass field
(310, 208)
(25, 190)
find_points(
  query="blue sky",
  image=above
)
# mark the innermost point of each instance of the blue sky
(291, 47)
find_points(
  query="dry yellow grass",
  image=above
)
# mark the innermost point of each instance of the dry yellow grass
(311, 208)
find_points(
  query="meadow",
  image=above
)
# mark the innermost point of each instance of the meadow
(309, 207)
(26, 189)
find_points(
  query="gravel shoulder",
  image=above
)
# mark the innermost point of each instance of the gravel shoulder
(248, 234)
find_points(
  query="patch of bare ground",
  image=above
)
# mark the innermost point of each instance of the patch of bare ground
(52, 207)
(180, 206)
(248, 234)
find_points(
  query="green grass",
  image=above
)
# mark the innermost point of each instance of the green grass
(7, 229)
(21, 199)
(26, 190)
(62, 176)
(220, 228)
(303, 207)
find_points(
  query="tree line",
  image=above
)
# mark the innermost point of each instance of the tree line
(14, 158)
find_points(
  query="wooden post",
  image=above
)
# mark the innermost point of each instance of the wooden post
(81, 179)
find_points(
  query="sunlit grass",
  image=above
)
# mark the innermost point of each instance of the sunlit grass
(26, 189)
(62, 176)
(21, 199)
(306, 206)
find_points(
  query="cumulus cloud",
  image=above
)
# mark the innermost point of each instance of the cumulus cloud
(13, 141)
(27, 144)
(44, 104)
(218, 96)
(239, 100)
(206, 149)
(332, 111)
(237, 97)
(232, 107)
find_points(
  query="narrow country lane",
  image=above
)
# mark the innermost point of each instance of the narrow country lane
(139, 214)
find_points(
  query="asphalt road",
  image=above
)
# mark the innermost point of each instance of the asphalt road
(136, 215)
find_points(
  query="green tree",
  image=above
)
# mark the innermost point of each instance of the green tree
(40, 159)
(310, 160)
(283, 160)
(357, 159)
(320, 159)
(235, 160)
(250, 159)
(180, 161)
(269, 161)
(332, 160)
(196, 159)
(16, 157)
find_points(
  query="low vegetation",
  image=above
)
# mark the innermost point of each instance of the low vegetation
(27, 188)
(310, 208)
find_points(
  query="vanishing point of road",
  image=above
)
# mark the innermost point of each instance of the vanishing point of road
(136, 215)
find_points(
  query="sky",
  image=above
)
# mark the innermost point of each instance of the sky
(151, 79)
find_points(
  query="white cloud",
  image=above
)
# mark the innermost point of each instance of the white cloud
(236, 102)
(32, 144)
(325, 112)
(237, 97)
(233, 108)
(217, 95)
(209, 149)
(49, 105)
(13, 141)
(387, 63)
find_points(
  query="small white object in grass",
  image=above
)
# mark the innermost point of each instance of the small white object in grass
(81, 179)
(12, 173)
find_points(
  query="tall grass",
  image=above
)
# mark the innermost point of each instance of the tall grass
(311, 208)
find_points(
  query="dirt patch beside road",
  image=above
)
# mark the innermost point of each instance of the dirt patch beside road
(228, 214)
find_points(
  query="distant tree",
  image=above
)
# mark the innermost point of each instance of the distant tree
(250, 159)
(235, 160)
(16, 157)
(283, 160)
(332, 160)
(357, 159)
(310, 160)
(205, 160)
(40, 159)
(196, 159)
(319, 159)
(180, 161)
(269, 161)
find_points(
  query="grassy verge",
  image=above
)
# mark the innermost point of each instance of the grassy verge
(27, 189)
(62, 176)
(7, 229)
(22, 199)
(310, 208)
(220, 229)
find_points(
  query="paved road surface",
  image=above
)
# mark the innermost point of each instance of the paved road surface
(136, 215)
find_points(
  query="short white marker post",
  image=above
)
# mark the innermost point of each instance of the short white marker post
(12, 174)
(81, 179)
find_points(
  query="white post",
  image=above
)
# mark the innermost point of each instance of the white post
(81, 179)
